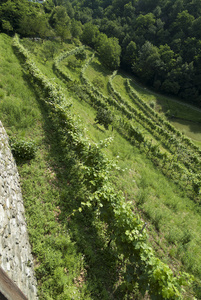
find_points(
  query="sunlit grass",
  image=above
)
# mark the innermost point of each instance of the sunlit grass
(173, 220)
(98, 75)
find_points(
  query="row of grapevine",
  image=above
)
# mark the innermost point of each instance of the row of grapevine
(61, 57)
(124, 227)
(111, 87)
(164, 131)
(167, 162)
(91, 90)
(153, 114)
(190, 161)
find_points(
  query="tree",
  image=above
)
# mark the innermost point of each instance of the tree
(196, 28)
(48, 6)
(144, 25)
(62, 31)
(59, 15)
(34, 26)
(7, 26)
(183, 23)
(112, 28)
(14, 11)
(60, 21)
(167, 56)
(109, 50)
(170, 87)
(104, 117)
(76, 28)
(148, 62)
(131, 54)
(90, 34)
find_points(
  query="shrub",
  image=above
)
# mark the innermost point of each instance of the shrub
(104, 117)
(23, 150)
(81, 55)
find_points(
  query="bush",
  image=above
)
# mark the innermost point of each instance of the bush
(81, 55)
(23, 150)
(104, 117)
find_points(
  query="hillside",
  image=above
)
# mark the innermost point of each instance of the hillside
(161, 37)
(76, 253)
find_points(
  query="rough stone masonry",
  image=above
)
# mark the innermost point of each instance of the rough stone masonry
(15, 251)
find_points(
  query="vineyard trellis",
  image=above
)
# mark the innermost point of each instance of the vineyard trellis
(144, 267)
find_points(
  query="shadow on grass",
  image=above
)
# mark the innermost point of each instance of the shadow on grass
(100, 68)
(89, 234)
(98, 127)
(86, 232)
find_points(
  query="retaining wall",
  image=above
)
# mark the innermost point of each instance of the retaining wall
(15, 251)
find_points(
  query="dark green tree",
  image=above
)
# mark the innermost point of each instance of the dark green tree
(148, 62)
(130, 55)
(109, 50)
(76, 28)
(34, 26)
(90, 34)
(104, 117)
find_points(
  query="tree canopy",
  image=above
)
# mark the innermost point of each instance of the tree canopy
(158, 41)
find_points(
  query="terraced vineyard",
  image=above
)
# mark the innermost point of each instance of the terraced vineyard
(144, 133)
(175, 154)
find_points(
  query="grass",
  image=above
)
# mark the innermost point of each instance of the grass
(98, 75)
(183, 116)
(160, 202)
(190, 129)
(55, 253)
(168, 211)
(71, 255)
(70, 251)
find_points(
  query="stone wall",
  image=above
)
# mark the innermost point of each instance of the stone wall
(15, 251)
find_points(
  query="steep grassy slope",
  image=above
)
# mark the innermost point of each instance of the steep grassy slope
(185, 117)
(52, 192)
(168, 209)
(59, 264)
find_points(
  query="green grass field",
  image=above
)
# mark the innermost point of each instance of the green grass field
(76, 245)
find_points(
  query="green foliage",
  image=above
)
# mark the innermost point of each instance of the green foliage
(76, 29)
(129, 237)
(104, 117)
(34, 26)
(7, 26)
(172, 28)
(131, 54)
(81, 55)
(98, 82)
(14, 111)
(62, 56)
(109, 51)
(23, 150)
(89, 35)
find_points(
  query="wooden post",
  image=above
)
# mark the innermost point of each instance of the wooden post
(9, 289)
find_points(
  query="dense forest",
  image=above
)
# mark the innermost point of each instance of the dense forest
(158, 41)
